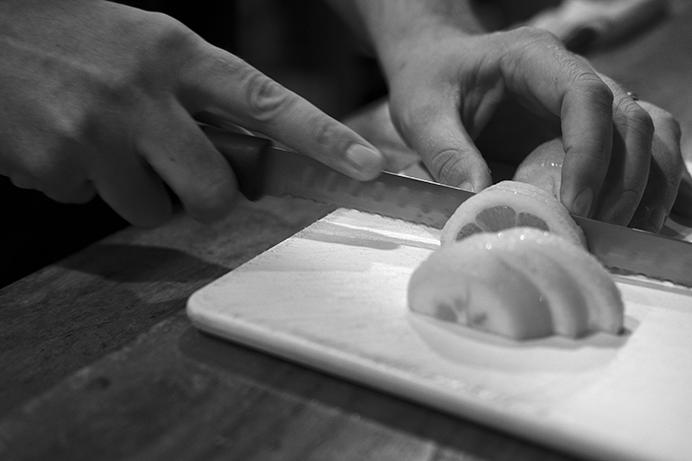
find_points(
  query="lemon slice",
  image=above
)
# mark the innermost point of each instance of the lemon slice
(510, 204)
(521, 283)
(469, 294)
(603, 299)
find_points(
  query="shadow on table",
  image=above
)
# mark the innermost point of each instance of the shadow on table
(140, 263)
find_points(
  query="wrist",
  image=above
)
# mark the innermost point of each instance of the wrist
(419, 45)
(397, 28)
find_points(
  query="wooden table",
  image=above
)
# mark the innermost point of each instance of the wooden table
(98, 361)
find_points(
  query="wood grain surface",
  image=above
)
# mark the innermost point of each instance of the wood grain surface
(98, 362)
(176, 393)
(69, 314)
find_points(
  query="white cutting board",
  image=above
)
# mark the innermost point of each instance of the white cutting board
(333, 297)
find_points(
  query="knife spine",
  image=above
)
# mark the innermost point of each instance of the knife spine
(431, 204)
(389, 195)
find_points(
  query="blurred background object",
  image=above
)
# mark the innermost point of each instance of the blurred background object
(584, 24)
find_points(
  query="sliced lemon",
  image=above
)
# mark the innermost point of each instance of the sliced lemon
(603, 298)
(510, 204)
(520, 283)
(459, 284)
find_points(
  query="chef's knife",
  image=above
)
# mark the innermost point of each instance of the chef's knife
(263, 169)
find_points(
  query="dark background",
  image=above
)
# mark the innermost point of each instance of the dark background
(303, 45)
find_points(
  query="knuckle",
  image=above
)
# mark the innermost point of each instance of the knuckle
(411, 116)
(170, 36)
(64, 133)
(593, 84)
(664, 122)
(117, 90)
(666, 119)
(597, 90)
(528, 34)
(641, 122)
(445, 166)
(580, 61)
(114, 89)
(327, 133)
(168, 50)
(528, 41)
(636, 117)
(265, 98)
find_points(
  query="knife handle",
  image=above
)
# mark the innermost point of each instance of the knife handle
(247, 155)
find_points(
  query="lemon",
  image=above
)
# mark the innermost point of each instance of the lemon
(459, 284)
(510, 204)
(543, 167)
(521, 283)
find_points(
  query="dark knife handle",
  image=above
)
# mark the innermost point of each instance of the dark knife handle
(247, 155)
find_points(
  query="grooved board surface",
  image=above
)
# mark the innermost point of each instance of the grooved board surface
(333, 297)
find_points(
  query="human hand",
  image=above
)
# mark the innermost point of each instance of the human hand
(535, 147)
(104, 98)
(542, 167)
(660, 185)
(448, 87)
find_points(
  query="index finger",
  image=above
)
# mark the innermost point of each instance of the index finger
(545, 73)
(227, 90)
(587, 133)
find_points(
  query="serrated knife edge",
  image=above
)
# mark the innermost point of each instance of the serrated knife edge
(263, 169)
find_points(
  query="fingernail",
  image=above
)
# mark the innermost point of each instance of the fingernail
(466, 185)
(581, 205)
(364, 159)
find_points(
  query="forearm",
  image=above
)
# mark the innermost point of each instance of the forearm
(392, 26)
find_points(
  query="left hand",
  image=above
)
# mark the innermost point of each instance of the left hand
(542, 167)
(528, 132)
(448, 87)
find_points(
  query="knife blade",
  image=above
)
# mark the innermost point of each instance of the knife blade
(264, 169)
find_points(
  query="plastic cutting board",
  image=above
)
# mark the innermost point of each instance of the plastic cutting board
(333, 297)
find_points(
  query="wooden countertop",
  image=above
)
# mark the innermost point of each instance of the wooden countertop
(98, 361)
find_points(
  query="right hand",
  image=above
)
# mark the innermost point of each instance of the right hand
(103, 98)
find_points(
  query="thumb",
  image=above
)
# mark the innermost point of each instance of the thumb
(447, 150)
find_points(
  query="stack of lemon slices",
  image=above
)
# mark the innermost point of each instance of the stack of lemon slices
(514, 263)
